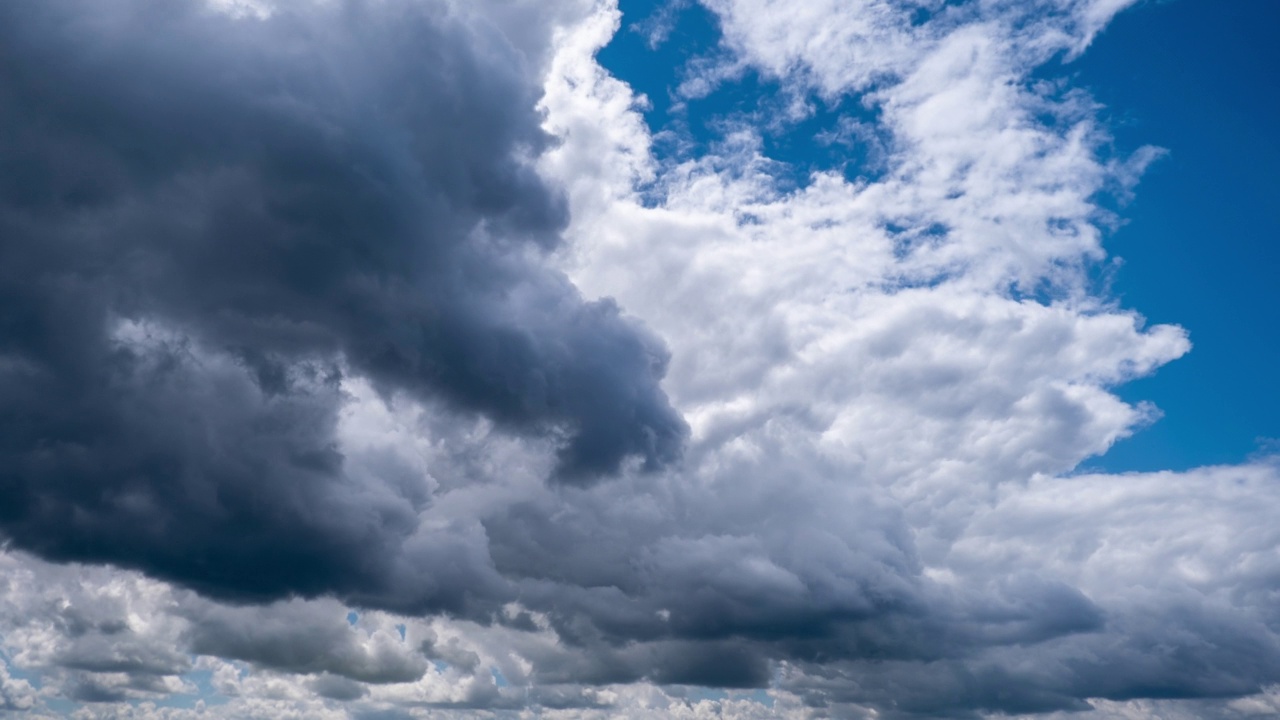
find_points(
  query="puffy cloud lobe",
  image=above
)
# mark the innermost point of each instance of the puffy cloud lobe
(15, 694)
(208, 221)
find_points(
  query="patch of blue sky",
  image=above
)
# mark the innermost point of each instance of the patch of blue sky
(759, 695)
(1201, 241)
(669, 51)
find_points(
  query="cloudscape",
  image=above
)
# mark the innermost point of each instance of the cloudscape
(391, 359)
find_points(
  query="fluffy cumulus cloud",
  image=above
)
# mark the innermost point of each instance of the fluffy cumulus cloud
(370, 359)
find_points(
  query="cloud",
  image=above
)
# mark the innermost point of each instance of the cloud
(304, 638)
(327, 316)
(210, 221)
(15, 695)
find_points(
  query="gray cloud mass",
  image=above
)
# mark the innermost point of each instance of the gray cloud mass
(205, 222)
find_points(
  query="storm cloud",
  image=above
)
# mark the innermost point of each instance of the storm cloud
(207, 222)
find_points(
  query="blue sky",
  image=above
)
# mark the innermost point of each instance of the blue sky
(1200, 244)
(655, 52)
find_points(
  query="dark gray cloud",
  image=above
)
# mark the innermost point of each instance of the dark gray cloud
(336, 687)
(1156, 650)
(306, 638)
(206, 222)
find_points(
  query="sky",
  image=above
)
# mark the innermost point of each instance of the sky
(390, 359)
(1189, 84)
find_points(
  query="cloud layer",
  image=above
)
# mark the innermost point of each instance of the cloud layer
(321, 355)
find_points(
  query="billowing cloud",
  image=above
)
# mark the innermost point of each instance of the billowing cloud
(209, 221)
(321, 329)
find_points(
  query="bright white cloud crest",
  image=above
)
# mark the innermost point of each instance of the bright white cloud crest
(889, 382)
